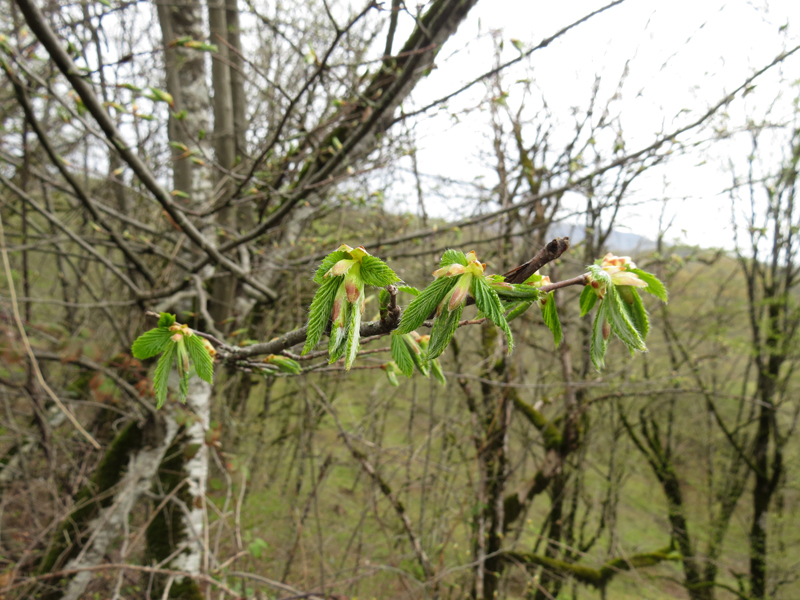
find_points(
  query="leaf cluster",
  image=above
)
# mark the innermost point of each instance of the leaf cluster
(339, 301)
(177, 345)
(620, 311)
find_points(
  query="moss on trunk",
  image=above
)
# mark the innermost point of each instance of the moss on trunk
(167, 529)
(92, 498)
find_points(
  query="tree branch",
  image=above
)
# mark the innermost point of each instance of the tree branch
(597, 578)
(41, 29)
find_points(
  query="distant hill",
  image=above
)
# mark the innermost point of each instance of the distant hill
(618, 242)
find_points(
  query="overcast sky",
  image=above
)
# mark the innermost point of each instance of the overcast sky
(685, 54)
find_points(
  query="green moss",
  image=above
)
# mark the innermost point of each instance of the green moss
(167, 529)
(109, 473)
(550, 432)
(597, 578)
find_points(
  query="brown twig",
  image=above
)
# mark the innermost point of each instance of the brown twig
(29, 350)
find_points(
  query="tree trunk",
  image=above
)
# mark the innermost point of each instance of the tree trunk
(765, 483)
(122, 477)
(224, 287)
(178, 529)
(186, 81)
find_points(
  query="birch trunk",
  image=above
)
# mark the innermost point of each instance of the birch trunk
(142, 466)
(176, 536)
(128, 467)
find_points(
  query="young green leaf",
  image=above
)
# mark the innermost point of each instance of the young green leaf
(390, 369)
(383, 299)
(284, 364)
(444, 327)
(376, 273)
(352, 336)
(203, 363)
(166, 320)
(417, 354)
(620, 322)
(320, 311)
(338, 341)
(533, 279)
(518, 310)
(599, 275)
(436, 369)
(161, 96)
(636, 310)
(408, 290)
(550, 316)
(161, 375)
(339, 322)
(654, 286)
(401, 355)
(599, 341)
(151, 343)
(182, 363)
(489, 304)
(327, 264)
(588, 299)
(451, 257)
(423, 305)
(515, 291)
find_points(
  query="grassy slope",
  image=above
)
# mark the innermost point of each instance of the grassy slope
(350, 516)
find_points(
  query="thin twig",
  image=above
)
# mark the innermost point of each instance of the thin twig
(27, 344)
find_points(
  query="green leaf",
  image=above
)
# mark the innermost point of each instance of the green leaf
(408, 290)
(320, 311)
(166, 320)
(161, 376)
(203, 363)
(550, 316)
(451, 257)
(390, 374)
(417, 354)
(202, 46)
(383, 299)
(161, 96)
(515, 291)
(654, 285)
(151, 343)
(636, 310)
(352, 336)
(444, 327)
(284, 364)
(376, 273)
(423, 305)
(518, 310)
(620, 322)
(588, 299)
(327, 263)
(599, 275)
(338, 341)
(257, 547)
(598, 342)
(489, 304)
(534, 278)
(436, 369)
(182, 363)
(339, 324)
(401, 355)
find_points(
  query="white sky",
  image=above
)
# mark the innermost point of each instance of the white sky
(685, 54)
